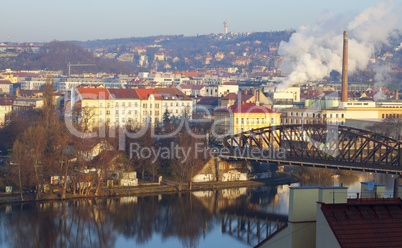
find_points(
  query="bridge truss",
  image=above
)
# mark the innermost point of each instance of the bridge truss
(317, 145)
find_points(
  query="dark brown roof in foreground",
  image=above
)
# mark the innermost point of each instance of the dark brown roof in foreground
(366, 222)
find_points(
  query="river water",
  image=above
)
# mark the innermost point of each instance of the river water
(239, 217)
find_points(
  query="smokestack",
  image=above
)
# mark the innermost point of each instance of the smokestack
(345, 67)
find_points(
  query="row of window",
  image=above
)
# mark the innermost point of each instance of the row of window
(305, 121)
(254, 120)
(390, 116)
(123, 120)
(316, 115)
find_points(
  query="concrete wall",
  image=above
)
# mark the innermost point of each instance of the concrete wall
(302, 203)
(377, 192)
(280, 240)
(324, 235)
(333, 195)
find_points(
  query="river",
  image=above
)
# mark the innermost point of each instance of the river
(237, 217)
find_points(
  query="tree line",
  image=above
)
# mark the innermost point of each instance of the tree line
(43, 149)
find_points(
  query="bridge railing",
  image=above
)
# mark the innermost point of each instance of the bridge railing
(317, 142)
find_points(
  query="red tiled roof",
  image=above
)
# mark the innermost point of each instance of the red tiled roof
(245, 108)
(143, 94)
(94, 93)
(124, 93)
(198, 87)
(231, 83)
(6, 102)
(230, 96)
(366, 222)
(5, 82)
(186, 86)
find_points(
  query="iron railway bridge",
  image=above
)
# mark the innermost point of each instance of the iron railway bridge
(316, 145)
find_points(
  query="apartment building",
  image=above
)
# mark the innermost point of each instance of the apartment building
(135, 107)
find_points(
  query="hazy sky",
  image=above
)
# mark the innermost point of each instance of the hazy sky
(46, 20)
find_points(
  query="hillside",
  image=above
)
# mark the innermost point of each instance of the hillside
(56, 55)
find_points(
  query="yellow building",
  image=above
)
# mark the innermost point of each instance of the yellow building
(243, 117)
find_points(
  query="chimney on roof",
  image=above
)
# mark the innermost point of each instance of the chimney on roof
(345, 68)
(397, 95)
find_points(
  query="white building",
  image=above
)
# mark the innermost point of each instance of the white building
(221, 90)
(6, 86)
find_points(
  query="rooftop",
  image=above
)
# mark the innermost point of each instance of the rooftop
(366, 222)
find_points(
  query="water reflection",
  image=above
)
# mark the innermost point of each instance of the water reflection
(238, 217)
(191, 218)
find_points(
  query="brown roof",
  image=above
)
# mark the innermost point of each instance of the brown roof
(172, 93)
(124, 93)
(245, 108)
(366, 222)
(3, 81)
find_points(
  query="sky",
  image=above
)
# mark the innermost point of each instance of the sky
(47, 20)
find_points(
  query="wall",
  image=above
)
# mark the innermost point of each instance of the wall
(324, 236)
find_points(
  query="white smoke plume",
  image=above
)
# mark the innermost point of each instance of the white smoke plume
(312, 52)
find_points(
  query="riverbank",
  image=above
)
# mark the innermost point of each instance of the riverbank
(165, 187)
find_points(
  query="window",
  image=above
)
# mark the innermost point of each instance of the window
(108, 112)
(144, 105)
(237, 120)
(129, 104)
(272, 120)
(258, 120)
(242, 120)
(101, 105)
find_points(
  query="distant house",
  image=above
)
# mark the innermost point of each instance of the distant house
(192, 90)
(206, 105)
(6, 87)
(6, 106)
(89, 148)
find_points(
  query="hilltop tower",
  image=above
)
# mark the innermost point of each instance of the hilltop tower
(225, 25)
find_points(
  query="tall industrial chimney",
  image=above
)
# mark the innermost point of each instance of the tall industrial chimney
(345, 68)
